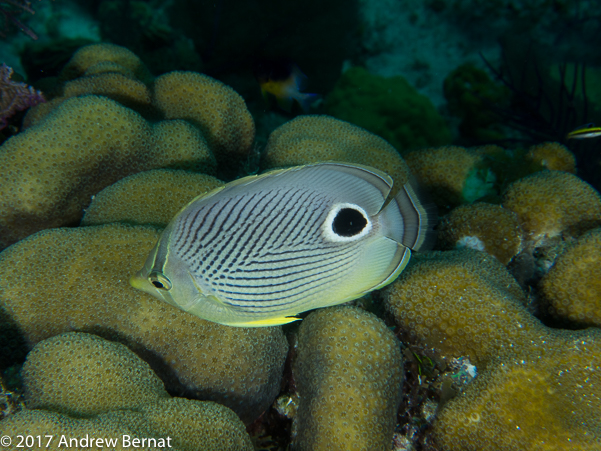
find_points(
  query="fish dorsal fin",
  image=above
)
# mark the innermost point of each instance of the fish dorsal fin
(346, 182)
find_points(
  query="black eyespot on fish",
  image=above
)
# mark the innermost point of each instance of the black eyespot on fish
(157, 284)
(348, 222)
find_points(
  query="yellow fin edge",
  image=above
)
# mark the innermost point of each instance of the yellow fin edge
(268, 322)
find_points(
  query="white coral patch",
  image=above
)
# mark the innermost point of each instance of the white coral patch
(470, 242)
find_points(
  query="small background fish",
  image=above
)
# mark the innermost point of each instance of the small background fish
(265, 248)
(585, 131)
(282, 80)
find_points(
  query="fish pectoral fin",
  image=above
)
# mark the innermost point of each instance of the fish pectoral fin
(270, 321)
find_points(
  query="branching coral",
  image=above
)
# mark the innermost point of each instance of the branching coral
(20, 6)
(15, 96)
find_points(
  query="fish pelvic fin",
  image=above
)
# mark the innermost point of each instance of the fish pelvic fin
(410, 217)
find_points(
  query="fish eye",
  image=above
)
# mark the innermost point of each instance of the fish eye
(348, 222)
(158, 280)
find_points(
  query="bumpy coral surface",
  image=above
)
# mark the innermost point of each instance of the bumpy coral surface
(572, 286)
(102, 69)
(553, 203)
(93, 59)
(461, 304)
(311, 139)
(541, 399)
(42, 423)
(536, 387)
(484, 227)
(75, 375)
(216, 108)
(197, 425)
(49, 172)
(128, 91)
(452, 175)
(348, 373)
(176, 142)
(79, 278)
(150, 197)
(552, 156)
(64, 373)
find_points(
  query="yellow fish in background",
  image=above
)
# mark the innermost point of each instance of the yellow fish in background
(264, 248)
(585, 131)
(283, 81)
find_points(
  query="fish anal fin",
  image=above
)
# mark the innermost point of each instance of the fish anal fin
(268, 322)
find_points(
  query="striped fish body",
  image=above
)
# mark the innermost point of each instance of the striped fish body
(265, 248)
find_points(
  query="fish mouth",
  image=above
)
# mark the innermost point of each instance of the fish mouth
(139, 282)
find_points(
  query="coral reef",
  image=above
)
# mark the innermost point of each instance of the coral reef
(572, 287)
(536, 387)
(541, 398)
(102, 69)
(553, 203)
(49, 172)
(124, 89)
(484, 227)
(63, 373)
(453, 175)
(104, 135)
(311, 139)
(388, 107)
(207, 123)
(214, 107)
(80, 385)
(552, 156)
(348, 375)
(461, 304)
(89, 58)
(150, 197)
(240, 368)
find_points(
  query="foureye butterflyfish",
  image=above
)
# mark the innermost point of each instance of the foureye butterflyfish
(262, 249)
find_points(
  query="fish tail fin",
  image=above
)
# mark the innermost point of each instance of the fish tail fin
(306, 101)
(410, 217)
(300, 79)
